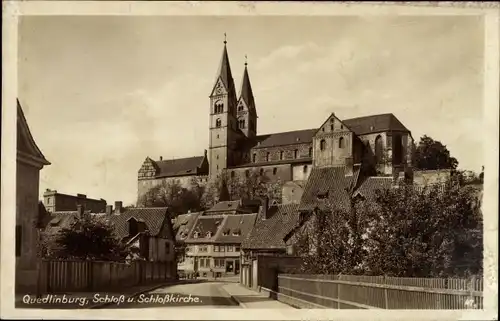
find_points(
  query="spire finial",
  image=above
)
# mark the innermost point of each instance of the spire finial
(246, 62)
(225, 39)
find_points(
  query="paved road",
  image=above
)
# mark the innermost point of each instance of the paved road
(194, 295)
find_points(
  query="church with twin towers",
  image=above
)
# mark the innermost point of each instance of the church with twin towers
(376, 145)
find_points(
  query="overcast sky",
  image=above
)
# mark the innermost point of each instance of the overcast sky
(102, 93)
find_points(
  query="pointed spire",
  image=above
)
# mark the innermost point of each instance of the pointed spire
(246, 92)
(224, 72)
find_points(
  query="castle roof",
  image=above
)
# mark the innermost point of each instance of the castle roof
(179, 167)
(270, 233)
(303, 136)
(374, 123)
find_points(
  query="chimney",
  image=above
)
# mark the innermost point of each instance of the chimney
(161, 158)
(265, 207)
(349, 164)
(118, 207)
(79, 210)
(205, 153)
(109, 209)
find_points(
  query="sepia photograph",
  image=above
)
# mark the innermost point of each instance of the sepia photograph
(287, 162)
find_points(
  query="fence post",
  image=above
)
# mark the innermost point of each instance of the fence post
(338, 292)
(386, 294)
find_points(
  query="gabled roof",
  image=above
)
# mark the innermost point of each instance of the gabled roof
(183, 224)
(202, 226)
(25, 142)
(226, 207)
(375, 123)
(286, 138)
(331, 185)
(237, 227)
(179, 167)
(370, 185)
(154, 218)
(269, 233)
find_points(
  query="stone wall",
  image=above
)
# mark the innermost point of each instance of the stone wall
(280, 153)
(429, 177)
(144, 185)
(291, 193)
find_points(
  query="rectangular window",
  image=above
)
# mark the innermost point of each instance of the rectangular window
(19, 238)
(237, 248)
(216, 248)
(167, 248)
(230, 248)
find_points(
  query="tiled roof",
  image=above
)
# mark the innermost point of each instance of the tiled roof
(302, 160)
(202, 226)
(179, 166)
(60, 220)
(287, 138)
(183, 224)
(237, 227)
(269, 233)
(370, 185)
(329, 184)
(374, 123)
(153, 217)
(226, 206)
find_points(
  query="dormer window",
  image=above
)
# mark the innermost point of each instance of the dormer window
(225, 232)
(237, 232)
(322, 195)
(196, 235)
(209, 234)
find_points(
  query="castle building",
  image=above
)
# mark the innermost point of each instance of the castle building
(57, 202)
(381, 142)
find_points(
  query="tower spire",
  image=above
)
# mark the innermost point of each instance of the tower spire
(224, 71)
(246, 93)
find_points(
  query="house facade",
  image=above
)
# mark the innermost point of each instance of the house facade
(29, 162)
(213, 239)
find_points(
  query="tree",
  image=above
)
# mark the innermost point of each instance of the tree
(423, 232)
(431, 155)
(328, 243)
(88, 238)
(171, 194)
(407, 231)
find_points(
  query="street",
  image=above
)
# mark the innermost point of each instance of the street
(193, 295)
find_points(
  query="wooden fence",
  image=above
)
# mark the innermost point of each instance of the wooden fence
(372, 292)
(83, 276)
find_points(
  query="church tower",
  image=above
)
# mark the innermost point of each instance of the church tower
(223, 121)
(247, 114)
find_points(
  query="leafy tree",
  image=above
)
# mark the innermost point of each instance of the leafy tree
(434, 231)
(328, 243)
(431, 154)
(171, 194)
(423, 232)
(88, 238)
